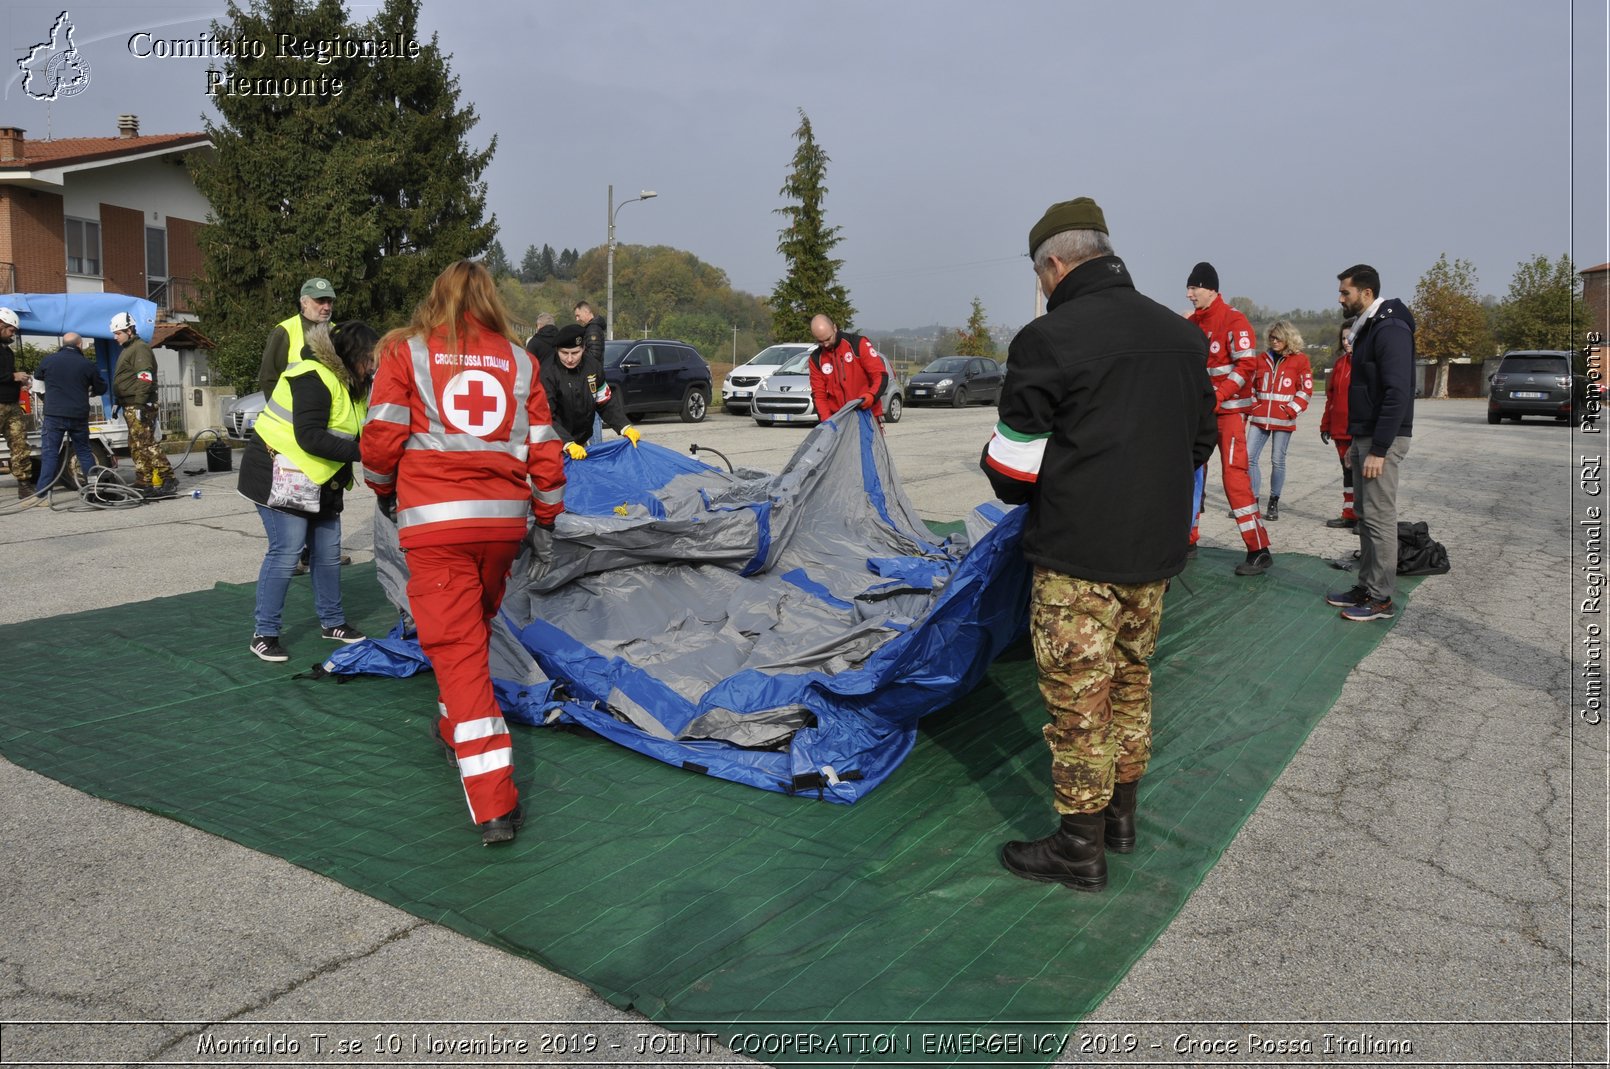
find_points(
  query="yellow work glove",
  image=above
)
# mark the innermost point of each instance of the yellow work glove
(576, 450)
(632, 434)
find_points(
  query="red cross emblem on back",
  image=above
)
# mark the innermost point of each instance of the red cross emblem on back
(474, 402)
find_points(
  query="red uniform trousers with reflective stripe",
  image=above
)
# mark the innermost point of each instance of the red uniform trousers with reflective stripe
(1342, 445)
(1237, 483)
(453, 592)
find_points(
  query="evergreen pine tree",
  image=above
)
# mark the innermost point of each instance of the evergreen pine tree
(531, 265)
(332, 186)
(497, 261)
(811, 286)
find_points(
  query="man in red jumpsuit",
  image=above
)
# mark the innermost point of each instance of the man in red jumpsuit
(844, 368)
(1232, 360)
(461, 450)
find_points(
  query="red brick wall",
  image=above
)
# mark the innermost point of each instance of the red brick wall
(32, 238)
(184, 261)
(1596, 295)
(122, 250)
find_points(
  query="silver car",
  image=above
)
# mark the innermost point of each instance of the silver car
(741, 382)
(786, 395)
(241, 414)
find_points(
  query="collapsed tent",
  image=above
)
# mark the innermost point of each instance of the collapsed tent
(784, 631)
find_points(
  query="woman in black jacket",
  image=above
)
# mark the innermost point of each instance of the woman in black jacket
(297, 468)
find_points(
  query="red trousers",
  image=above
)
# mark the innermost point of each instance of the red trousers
(1341, 445)
(453, 592)
(1237, 483)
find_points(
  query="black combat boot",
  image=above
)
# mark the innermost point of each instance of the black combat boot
(1073, 855)
(27, 473)
(1120, 818)
(1273, 512)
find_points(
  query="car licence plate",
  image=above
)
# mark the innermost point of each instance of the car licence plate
(917, 391)
(1528, 395)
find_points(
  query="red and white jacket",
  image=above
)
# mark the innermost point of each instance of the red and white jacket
(1281, 390)
(843, 371)
(1232, 354)
(463, 438)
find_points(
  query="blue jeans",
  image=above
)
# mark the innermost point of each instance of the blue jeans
(288, 532)
(76, 431)
(1256, 436)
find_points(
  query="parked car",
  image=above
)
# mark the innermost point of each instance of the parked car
(786, 395)
(957, 381)
(1534, 382)
(658, 375)
(240, 415)
(741, 382)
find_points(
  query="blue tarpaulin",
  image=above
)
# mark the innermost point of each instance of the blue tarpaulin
(786, 631)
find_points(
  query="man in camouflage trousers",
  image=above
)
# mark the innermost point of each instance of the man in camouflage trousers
(134, 387)
(13, 420)
(1106, 414)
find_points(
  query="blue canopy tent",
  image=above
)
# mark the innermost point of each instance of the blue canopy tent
(88, 314)
(784, 631)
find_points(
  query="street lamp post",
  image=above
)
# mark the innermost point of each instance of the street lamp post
(609, 300)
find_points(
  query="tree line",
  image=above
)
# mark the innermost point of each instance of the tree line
(330, 186)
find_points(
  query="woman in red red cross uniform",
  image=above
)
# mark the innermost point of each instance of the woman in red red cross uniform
(461, 450)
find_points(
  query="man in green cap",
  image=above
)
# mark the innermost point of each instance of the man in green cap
(316, 305)
(1104, 419)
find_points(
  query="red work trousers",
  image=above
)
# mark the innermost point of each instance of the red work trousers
(1341, 445)
(1237, 483)
(453, 592)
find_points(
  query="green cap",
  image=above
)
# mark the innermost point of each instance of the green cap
(318, 287)
(1081, 213)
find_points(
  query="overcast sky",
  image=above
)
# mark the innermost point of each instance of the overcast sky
(1282, 141)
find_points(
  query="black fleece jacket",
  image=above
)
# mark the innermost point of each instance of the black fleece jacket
(1116, 387)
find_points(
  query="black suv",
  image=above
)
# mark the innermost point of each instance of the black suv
(656, 375)
(1534, 382)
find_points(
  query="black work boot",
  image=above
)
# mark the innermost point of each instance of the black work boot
(502, 829)
(1273, 512)
(25, 489)
(1120, 818)
(1072, 855)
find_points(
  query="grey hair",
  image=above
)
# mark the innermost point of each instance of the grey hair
(1072, 247)
(545, 319)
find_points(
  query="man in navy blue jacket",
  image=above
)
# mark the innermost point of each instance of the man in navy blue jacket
(70, 380)
(1380, 417)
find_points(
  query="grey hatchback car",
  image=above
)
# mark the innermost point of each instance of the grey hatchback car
(1533, 382)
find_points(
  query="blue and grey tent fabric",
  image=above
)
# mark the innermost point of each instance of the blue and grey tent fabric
(785, 631)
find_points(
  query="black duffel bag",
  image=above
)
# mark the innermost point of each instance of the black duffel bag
(1419, 553)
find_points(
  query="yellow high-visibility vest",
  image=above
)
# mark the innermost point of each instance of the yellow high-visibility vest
(276, 427)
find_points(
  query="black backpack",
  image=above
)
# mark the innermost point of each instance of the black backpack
(1419, 553)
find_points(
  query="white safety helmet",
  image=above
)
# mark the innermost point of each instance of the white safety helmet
(8, 317)
(122, 321)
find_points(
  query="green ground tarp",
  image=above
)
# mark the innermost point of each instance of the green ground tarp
(701, 904)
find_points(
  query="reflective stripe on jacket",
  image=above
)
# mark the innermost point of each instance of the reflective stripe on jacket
(276, 426)
(464, 439)
(1281, 390)
(1232, 354)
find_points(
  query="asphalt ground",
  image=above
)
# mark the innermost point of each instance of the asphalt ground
(1429, 872)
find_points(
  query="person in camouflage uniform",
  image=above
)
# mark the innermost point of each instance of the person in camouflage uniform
(134, 387)
(1104, 419)
(1093, 642)
(13, 420)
